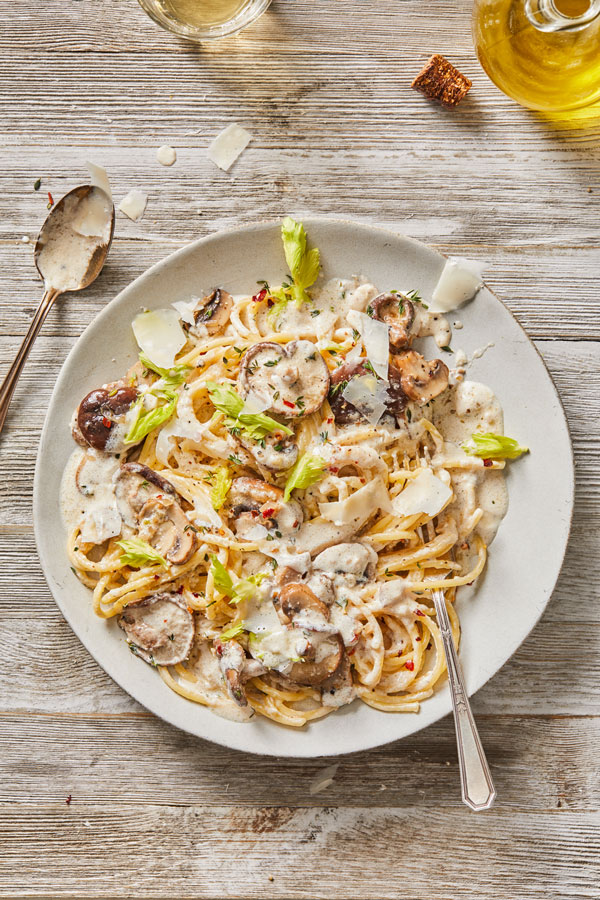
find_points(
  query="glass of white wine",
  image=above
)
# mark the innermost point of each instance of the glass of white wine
(204, 20)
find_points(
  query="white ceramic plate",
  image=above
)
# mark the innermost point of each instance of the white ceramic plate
(524, 560)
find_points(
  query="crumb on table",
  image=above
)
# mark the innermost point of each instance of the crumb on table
(440, 80)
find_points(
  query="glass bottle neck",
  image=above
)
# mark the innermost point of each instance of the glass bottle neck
(561, 15)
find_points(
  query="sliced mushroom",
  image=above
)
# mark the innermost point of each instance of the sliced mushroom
(327, 652)
(293, 379)
(101, 417)
(398, 312)
(164, 525)
(236, 669)
(255, 502)
(135, 484)
(314, 537)
(348, 559)
(159, 629)
(211, 313)
(300, 606)
(338, 689)
(420, 380)
(344, 412)
(276, 452)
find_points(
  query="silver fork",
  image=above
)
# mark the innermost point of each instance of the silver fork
(478, 791)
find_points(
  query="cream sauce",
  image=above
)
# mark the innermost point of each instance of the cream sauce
(480, 493)
(87, 496)
(79, 226)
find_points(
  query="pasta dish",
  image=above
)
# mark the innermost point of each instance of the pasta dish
(265, 500)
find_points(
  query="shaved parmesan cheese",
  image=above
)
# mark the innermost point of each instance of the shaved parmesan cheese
(92, 217)
(256, 532)
(134, 204)
(376, 339)
(193, 491)
(100, 523)
(262, 618)
(358, 506)
(426, 493)
(186, 308)
(177, 428)
(368, 395)
(99, 178)
(460, 280)
(228, 145)
(159, 335)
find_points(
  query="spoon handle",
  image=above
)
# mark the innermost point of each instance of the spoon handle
(10, 382)
(478, 791)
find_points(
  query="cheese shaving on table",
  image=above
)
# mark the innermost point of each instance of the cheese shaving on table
(426, 493)
(134, 205)
(323, 779)
(228, 145)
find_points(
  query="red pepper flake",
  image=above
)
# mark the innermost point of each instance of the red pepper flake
(289, 403)
(50, 200)
(329, 420)
(419, 613)
(180, 590)
(267, 513)
(156, 577)
(219, 649)
(254, 513)
(418, 638)
(351, 651)
(257, 298)
(190, 609)
(362, 480)
(487, 463)
(194, 594)
(164, 620)
(333, 469)
(68, 800)
(270, 302)
(409, 664)
(107, 422)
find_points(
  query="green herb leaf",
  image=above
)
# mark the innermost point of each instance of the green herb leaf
(221, 577)
(255, 426)
(138, 553)
(232, 632)
(145, 422)
(220, 487)
(172, 378)
(37, 184)
(303, 263)
(307, 471)
(493, 446)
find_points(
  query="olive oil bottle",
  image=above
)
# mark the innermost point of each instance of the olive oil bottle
(545, 54)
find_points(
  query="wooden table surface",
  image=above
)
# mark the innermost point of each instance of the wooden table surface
(323, 86)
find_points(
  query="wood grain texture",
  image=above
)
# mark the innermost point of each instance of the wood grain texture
(324, 88)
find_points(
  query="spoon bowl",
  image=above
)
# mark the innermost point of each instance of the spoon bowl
(70, 252)
(78, 231)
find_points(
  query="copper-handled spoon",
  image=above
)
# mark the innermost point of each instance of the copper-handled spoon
(69, 255)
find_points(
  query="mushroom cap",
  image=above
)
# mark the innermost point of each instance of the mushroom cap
(164, 525)
(277, 453)
(298, 604)
(328, 654)
(354, 558)
(293, 379)
(253, 501)
(212, 312)
(159, 628)
(398, 312)
(98, 414)
(135, 484)
(344, 412)
(420, 380)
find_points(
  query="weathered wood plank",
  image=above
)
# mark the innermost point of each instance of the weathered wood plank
(549, 674)
(173, 852)
(538, 763)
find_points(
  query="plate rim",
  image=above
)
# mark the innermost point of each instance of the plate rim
(376, 739)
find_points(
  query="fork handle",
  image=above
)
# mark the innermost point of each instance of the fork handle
(10, 382)
(478, 791)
